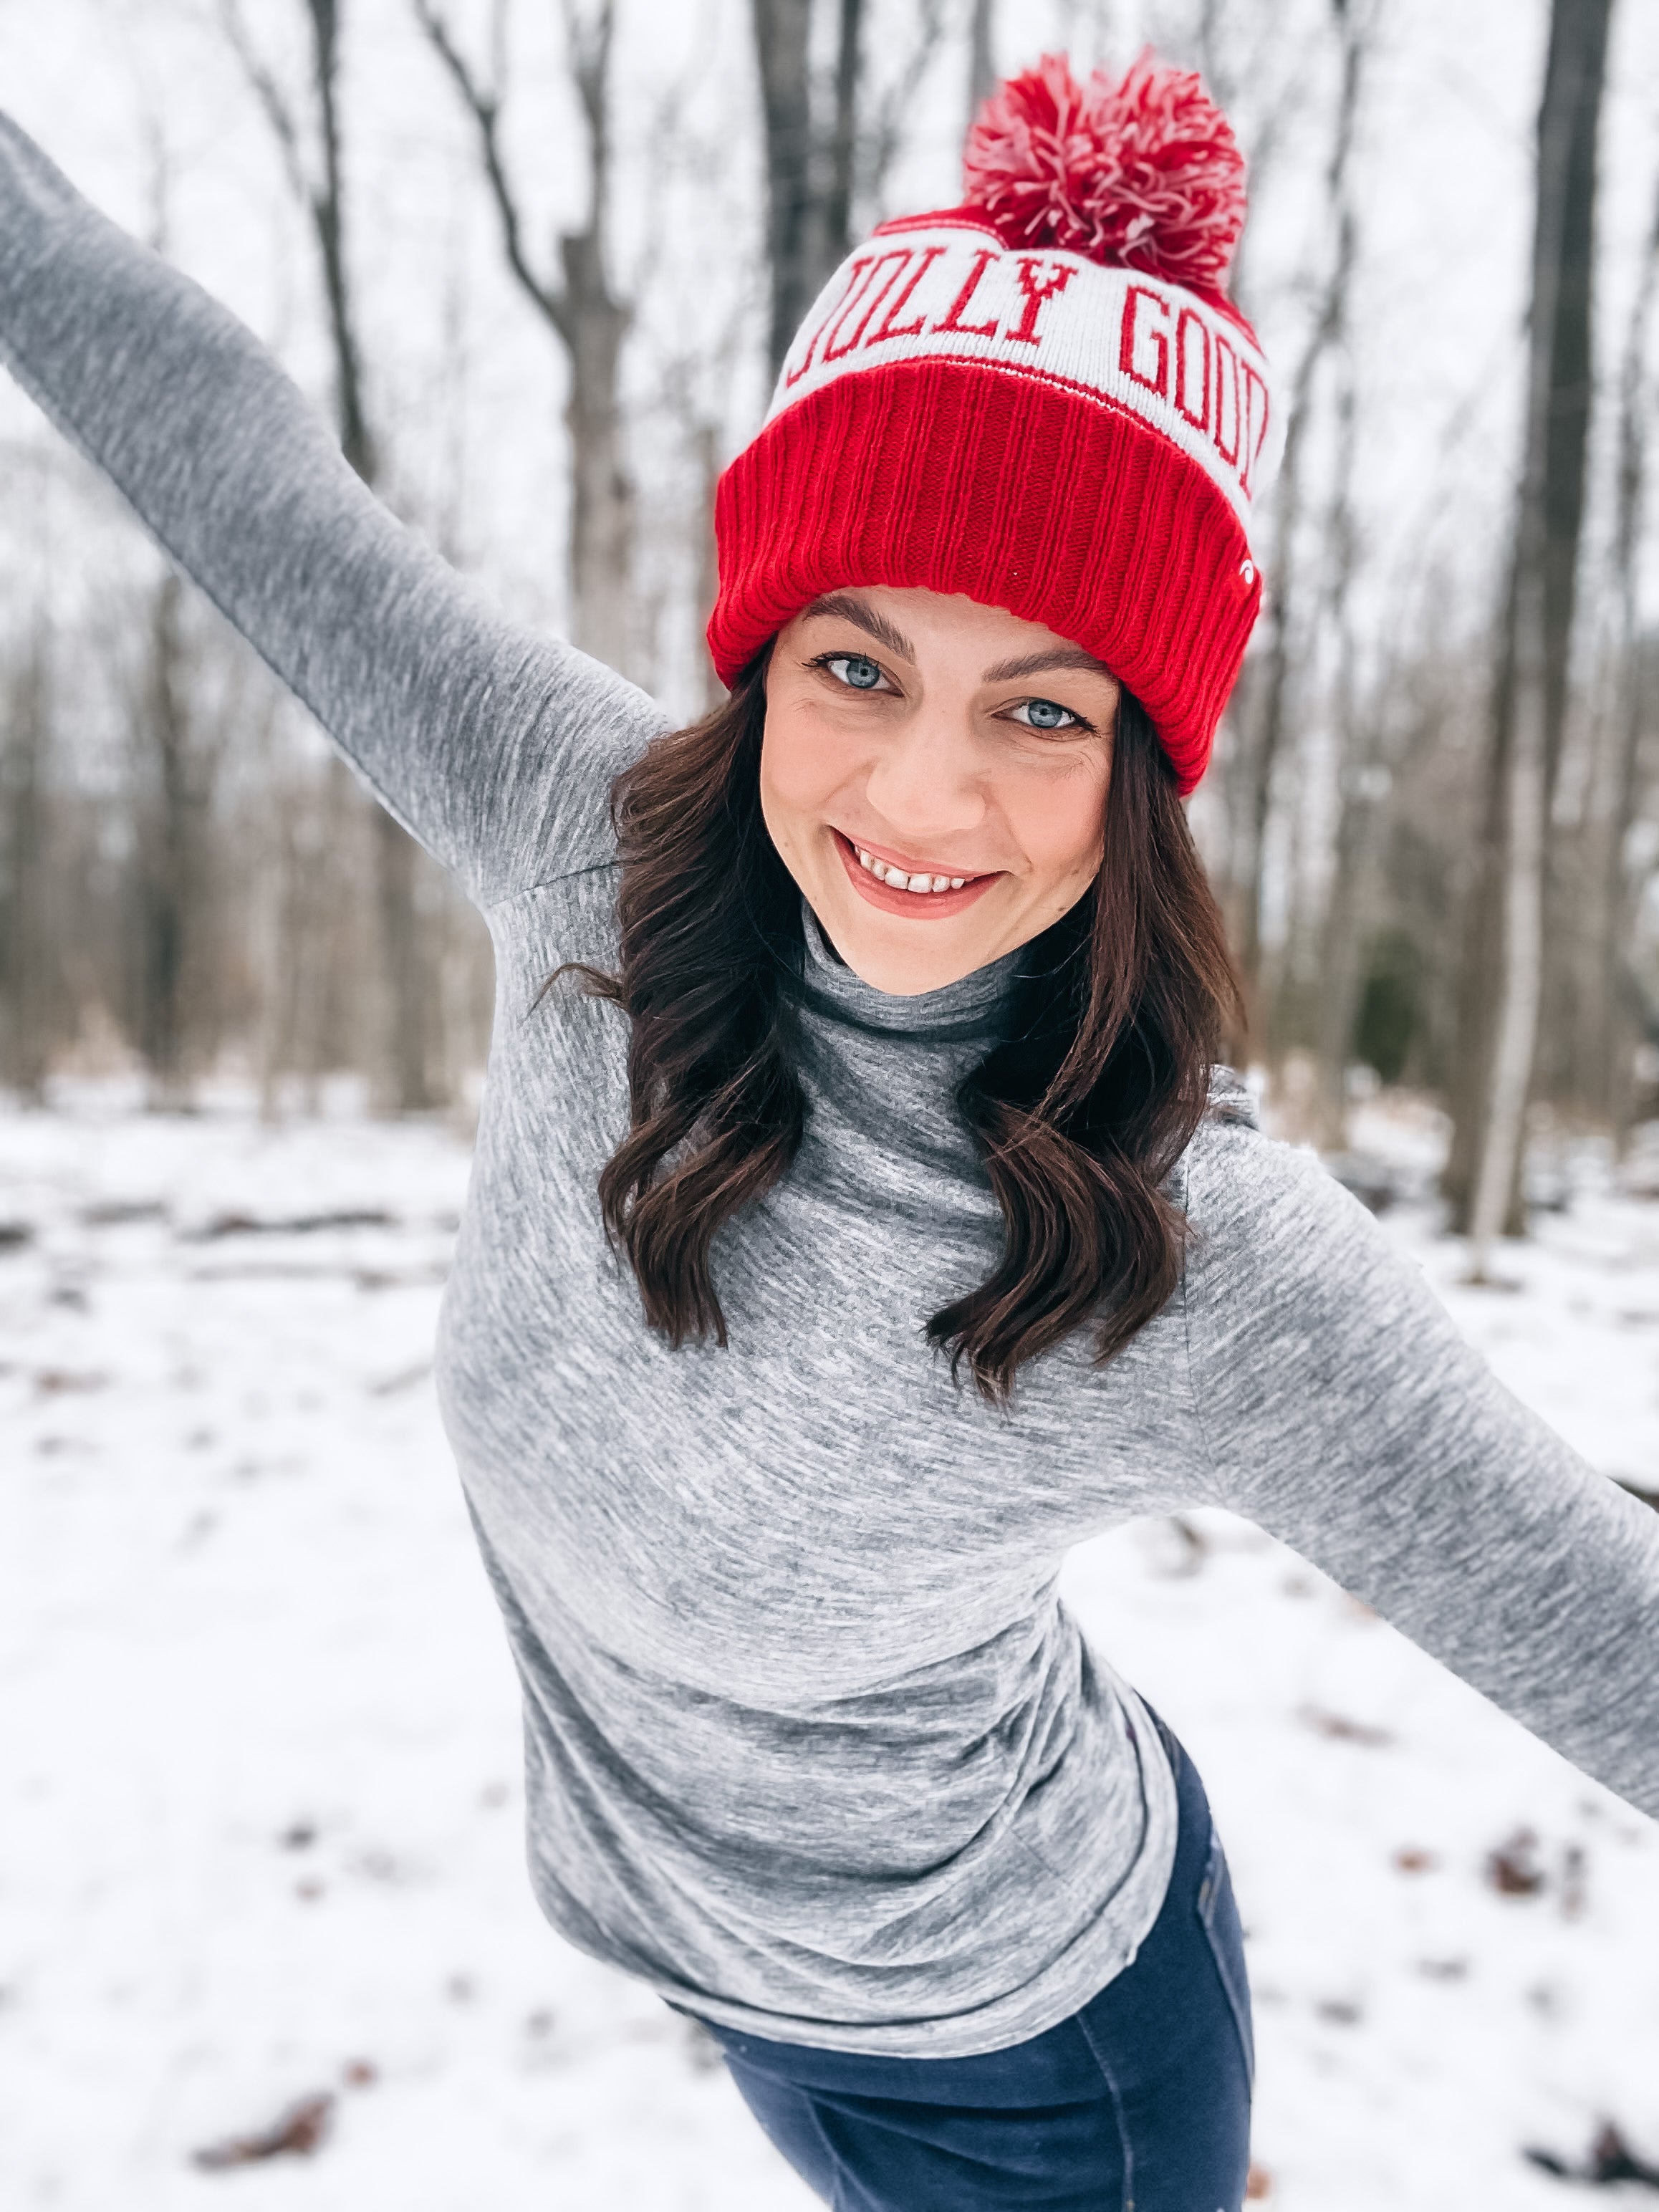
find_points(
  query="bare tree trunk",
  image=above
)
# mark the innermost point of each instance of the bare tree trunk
(1515, 1031)
(1620, 889)
(602, 528)
(328, 219)
(982, 55)
(708, 449)
(814, 174)
(1272, 687)
(314, 831)
(401, 1059)
(25, 950)
(837, 239)
(582, 312)
(1362, 782)
(1532, 683)
(782, 43)
(175, 767)
(404, 1057)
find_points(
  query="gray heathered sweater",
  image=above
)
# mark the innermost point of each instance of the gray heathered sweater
(812, 1747)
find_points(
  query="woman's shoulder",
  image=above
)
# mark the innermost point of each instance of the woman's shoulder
(1265, 1214)
(1288, 1274)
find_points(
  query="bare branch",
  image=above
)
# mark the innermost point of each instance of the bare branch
(590, 65)
(485, 104)
(899, 100)
(284, 127)
(322, 197)
(843, 142)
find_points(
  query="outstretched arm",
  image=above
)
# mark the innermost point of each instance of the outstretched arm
(495, 747)
(1345, 1415)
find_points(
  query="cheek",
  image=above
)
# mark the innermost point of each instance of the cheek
(1060, 827)
(802, 766)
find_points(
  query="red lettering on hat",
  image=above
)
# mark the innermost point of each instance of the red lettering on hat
(855, 279)
(1227, 393)
(1036, 294)
(1129, 342)
(951, 320)
(1253, 390)
(1192, 320)
(888, 328)
(870, 298)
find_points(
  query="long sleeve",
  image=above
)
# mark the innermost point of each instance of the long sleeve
(1343, 1412)
(494, 746)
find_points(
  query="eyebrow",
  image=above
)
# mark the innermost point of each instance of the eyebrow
(1041, 664)
(864, 618)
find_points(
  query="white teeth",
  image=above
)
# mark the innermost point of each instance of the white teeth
(901, 881)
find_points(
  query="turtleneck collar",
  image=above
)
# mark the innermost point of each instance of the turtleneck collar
(968, 1008)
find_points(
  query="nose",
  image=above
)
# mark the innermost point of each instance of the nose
(925, 781)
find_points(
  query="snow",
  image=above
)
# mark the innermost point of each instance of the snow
(261, 1825)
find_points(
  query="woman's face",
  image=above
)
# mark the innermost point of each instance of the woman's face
(914, 740)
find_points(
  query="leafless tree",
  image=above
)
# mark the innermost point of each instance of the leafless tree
(403, 1057)
(1262, 733)
(1363, 780)
(175, 755)
(843, 133)
(818, 173)
(1504, 955)
(579, 306)
(29, 999)
(323, 195)
(795, 252)
(1618, 883)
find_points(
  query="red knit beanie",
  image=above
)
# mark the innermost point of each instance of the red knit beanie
(1042, 399)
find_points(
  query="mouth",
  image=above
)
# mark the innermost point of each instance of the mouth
(918, 893)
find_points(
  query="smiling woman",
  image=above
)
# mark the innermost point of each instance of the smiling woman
(876, 1226)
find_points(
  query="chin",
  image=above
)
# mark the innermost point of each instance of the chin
(906, 970)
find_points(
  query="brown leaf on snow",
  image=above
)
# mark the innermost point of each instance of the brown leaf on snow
(1411, 1858)
(296, 2133)
(1513, 1870)
(1343, 1730)
(1611, 2160)
(1259, 2184)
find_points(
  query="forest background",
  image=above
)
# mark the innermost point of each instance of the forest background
(537, 262)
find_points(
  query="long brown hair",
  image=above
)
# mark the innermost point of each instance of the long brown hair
(1080, 1112)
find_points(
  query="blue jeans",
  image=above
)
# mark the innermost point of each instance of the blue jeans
(1139, 2103)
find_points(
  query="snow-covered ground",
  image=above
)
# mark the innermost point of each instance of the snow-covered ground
(259, 1813)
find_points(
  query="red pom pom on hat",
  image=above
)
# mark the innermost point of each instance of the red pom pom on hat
(1143, 173)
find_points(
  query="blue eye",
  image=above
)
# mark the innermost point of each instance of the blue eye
(1044, 714)
(855, 670)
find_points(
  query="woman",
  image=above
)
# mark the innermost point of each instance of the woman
(856, 1224)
